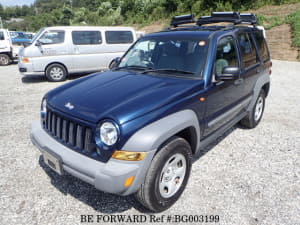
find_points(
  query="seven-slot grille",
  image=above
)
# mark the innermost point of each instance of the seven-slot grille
(69, 132)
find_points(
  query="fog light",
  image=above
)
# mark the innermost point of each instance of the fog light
(129, 181)
(129, 156)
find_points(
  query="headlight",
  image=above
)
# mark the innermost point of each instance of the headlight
(108, 133)
(44, 107)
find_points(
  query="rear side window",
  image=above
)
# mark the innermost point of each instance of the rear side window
(86, 37)
(52, 37)
(119, 37)
(1, 35)
(262, 45)
(248, 50)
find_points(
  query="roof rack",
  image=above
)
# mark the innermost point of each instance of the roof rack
(219, 17)
(216, 17)
(249, 18)
(183, 19)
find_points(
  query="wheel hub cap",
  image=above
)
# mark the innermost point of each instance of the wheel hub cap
(258, 108)
(56, 73)
(172, 175)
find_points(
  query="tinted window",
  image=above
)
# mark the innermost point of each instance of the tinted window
(1, 35)
(52, 37)
(118, 37)
(248, 50)
(226, 54)
(262, 45)
(86, 37)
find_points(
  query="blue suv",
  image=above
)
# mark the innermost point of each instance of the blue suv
(136, 128)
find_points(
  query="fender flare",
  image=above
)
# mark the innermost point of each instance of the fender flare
(261, 81)
(152, 136)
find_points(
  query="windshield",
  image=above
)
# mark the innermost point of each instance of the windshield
(167, 55)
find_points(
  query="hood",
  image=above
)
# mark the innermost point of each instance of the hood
(118, 95)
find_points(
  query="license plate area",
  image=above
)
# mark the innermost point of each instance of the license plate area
(53, 162)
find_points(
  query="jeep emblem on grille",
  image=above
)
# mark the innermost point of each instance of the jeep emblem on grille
(69, 106)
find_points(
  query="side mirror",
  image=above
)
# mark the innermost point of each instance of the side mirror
(229, 73)
(114, 63)
(38, 43)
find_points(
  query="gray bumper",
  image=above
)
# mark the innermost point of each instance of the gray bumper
(27, 69)
(108, 177)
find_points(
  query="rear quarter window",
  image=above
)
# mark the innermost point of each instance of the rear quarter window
(262, 45)
(118, 37)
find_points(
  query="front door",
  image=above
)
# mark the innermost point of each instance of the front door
(223, 101)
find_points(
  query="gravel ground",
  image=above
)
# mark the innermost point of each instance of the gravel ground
(248, 177)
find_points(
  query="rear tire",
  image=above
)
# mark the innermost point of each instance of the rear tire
(4, 60)
(167, 176)
(56, 72)
(255, 115)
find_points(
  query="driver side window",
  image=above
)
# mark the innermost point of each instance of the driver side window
(226, 54)
(52, 37)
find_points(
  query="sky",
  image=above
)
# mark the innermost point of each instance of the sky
(16, 2)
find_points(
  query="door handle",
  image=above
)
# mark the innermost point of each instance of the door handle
(239, 81)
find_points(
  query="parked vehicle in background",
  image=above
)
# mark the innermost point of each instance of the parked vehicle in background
(19, 37)
(58, 51)
(137, 128)
(7, 52)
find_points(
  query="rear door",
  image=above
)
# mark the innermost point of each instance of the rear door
(251, 65)
(87, 48)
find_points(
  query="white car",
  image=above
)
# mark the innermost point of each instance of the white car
(58, 51)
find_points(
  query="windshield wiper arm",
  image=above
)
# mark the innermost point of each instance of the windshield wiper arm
(168, 70)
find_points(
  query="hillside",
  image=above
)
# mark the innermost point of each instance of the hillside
(154, 15)
(279, 36)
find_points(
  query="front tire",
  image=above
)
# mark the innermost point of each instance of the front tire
(255, 115)
(4, 60)
(56, 72)
(167, 176)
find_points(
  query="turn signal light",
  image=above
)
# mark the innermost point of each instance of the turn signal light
(129, 181)
(25, 60)
(129, 156)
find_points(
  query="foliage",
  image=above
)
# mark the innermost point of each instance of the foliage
(294, 20)
(114, 12)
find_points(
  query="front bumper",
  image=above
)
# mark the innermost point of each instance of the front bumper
(27, 68)
(108, 177)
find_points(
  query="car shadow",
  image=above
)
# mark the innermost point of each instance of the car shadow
(106, 202)
(33, 79)
(86, 193)
(42, 78)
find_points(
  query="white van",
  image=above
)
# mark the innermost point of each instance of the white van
(7, 52)
(58, 51)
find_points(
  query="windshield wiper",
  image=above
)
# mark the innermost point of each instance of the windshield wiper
(168, 70)
(137, 67)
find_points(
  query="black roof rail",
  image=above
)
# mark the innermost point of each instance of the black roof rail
(183, 19)
(219, 17)
(230, 17)
(216, 17)
(249, 18)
